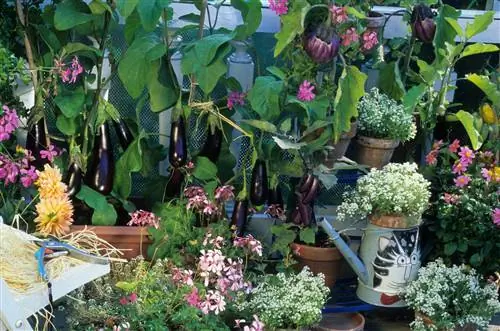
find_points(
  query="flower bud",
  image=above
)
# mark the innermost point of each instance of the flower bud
(488, 114)
(322, 45)
(422, 22)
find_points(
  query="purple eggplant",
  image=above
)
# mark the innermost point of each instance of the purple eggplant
(312, 193)
(125, 136)
(305, 183)
(422, 23)
(239, 216)
(213, 144)
(174, 185)
(100, 172)
(178, 143)
(73, 179)
(275, 197)
(37, 141)
(322, 45)
(259, 189)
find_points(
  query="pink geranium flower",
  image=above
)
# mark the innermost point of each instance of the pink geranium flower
(339, 14)
(369, 40)
(235, 98)
(450, 198)
(144, 218)
(459, 168)
(250, 243)
(224, 193)
(495, 216)
(454, 146)
(50, 153)
(280, 7)
(214, 302)
(193, 298)
(349, 37)
(9, 122)
(462, 181)
(256, 325)
(305, 92)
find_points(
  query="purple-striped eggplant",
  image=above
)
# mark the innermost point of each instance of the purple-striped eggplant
(213, 144)
(322, 45)
(305, 183)
(259, 188)
(174, 185)
(37, 141)
(177, 153)
(101, 170)
(422, 23)
(275, 197)
(73, 179)
(239, 217)
(125, 136)
(312, 193)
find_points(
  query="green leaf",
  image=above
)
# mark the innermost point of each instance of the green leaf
(204, 168)
(72, 48)
(98, 7)
(450, 248)
(264, 97)
(132, 25)
(354, 12)
(261, 125)
(129, 162)
(308, 235)
(49, 37)
(292, 24)
(413, 96)
(286, 125)
(327, 178)
(66, 125)
(487, 86)
(163, 89)
(126, 7)
(445, 32)
(70, 102)
(476, 259)
(480, 24)
(251, 11)
(351, 89)
(207, 48)
(467, 120)
(277, 72)
(128, 287)
(454, 24)
(462, 246)
(288, 144)
(390, 81)
(319, 107)
(479, 49)
(191, 17)
(109, 109)
(315, 126)
(427, 72)
(150, 12)
(104, 212)
(70, 13)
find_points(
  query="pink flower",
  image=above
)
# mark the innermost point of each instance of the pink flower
(486, 174)
(9, 170)
(217, 242)
(450, 198)
(182, 276)
(462, 181)
(305, 92)
(214, 302)
(132, 298)
(28, 176)
(197, 202)
(431, 158)
(71, 73)
(65, 75)
(123, 301)
(9, 122)
(210, 208)
(256, 325)
(296, 251)
(193, 191)
(190, 165)
(224, 193)
(193, 298)
(459, 167)
(495, 216)
(235, 98)
(50, 153)
(280, 7)
(211, 261)
(339, 14)
(437, 144)
(466, 155)
(454, 146)
(349, 37)
(249, 243)
(144, 218)
(369, 40)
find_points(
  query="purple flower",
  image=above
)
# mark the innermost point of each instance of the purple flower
(9, 122)
(486, 174)
(235, 98)
(28, 176)
(144, 218)
(71, 73)
(462, 181)
(280, 7)
(495, 216)
(305, 92)
(9, 170)
(224, 193)
(50, 153)
(459, 167)
(466, 155)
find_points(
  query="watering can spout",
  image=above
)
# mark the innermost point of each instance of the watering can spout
(351, 257)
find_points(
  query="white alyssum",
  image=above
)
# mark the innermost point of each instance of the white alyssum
(450, 297)
(382, 117)
(396, 189)
(288, 301)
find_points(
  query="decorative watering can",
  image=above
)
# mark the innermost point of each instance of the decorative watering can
(389, 259)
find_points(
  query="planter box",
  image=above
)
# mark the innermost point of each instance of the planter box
(125, 238)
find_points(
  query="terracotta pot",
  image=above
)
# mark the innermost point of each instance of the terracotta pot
(374, 152)
(393, 221)
(340, 147)
(320, 260)
(341, 322)
(375, 21)
(125, 238)
(428, 321)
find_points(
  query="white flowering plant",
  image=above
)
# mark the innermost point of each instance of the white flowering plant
(396, 189)
(288, 300)
(448, 297)
(383, 118)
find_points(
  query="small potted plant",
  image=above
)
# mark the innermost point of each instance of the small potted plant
(382, 125)
(288, 301)
(451, 298)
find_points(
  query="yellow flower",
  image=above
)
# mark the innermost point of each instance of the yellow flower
(55, 215)
(50, 183)
(496, 174)
(488, 114)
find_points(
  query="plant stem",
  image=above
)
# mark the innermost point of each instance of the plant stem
(406, 65)
(27, 43)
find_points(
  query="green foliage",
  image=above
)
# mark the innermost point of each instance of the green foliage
(293, 25)
(205, 169)
(130, 161)
(467, 120)
(264, 97)
(104, 213)
(252, 16)
(70, 102)
(70, 13)
(390, 81)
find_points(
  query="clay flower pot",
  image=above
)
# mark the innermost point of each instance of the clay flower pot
(341, 322)
(393, 221)
(132, 240)
(340, 147)
(374, 152)
(320, 260)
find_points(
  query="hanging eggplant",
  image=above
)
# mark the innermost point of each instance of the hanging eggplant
(100, 173)
(322, 45)
(37, 141)
(275, 197)
(177, 153)
(259, 189)
(422, 23)
(239, 217)
(73, 179)
(173, 188)
(125, 136)
(213, 144)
